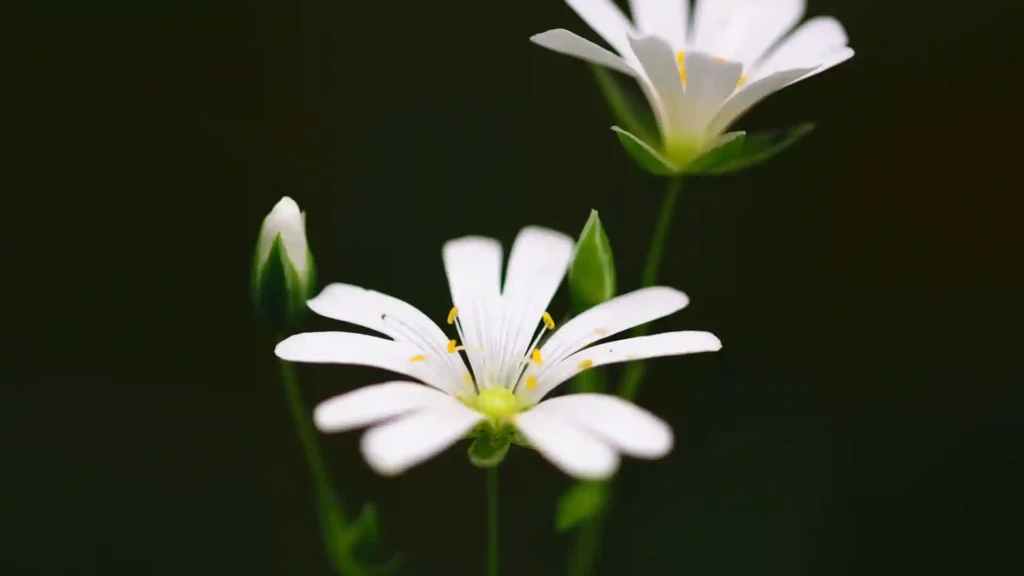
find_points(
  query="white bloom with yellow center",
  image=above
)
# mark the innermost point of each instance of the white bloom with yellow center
(701, 73)
(511, 369)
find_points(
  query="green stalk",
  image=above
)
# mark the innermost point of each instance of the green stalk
(332, 520)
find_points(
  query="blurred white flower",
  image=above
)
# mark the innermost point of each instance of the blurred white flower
(701, 72)
(510, 372)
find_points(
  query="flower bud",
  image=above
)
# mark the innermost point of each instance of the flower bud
(592, 270)
(283, 273)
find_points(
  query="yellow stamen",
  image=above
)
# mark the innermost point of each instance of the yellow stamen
(548, 322)
(743, 80)
(418, 358)
(453, 314)
(531, 382)
(584, 364)
(535, 356)
(452, 344)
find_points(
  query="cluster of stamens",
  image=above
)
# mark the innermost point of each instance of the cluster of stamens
(533, 357)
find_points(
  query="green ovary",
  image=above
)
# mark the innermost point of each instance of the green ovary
(497, 403)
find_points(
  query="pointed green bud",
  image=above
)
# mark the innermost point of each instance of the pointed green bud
(283, 271)
(592, 270)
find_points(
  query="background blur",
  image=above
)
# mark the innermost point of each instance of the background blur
(862, 418)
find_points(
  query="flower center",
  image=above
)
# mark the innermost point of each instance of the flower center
(497, 403)
(681, 56)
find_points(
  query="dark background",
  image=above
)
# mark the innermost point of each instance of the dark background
(863, 417)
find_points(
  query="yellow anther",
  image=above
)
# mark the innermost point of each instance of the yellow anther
(531, 382)
(418, 358)
(600, 332)
(548, 322)
(743, 80)
(452, 314)
(535, 356)
(584, 364)
(451, 346)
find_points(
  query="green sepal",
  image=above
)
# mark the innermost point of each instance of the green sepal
(278, 292)
(585, 500)
(743, 151)
(489, 449)
(592, 269)
(628, 111)
(645, 156)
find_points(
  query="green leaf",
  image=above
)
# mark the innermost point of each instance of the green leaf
(592, 270)
(580, 503)
(488, 450)
(743, 150)
(649, 159)
(636, 117)
(365, 529)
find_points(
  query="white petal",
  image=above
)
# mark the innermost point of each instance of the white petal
(361, 350)
(607, 20)
(473, 267)
(664, 85)
(752, 94)
(742, 29)
(664, 344)
(387, 315)
(395, 447)
(536, 266)
(566, 445)
(627, 427)
(612, 317)
(806, 47)
(764, 25)
(565, 42)
(834, 58)
(665, 18)
(365, 406)
(287, 220)
(709, 83)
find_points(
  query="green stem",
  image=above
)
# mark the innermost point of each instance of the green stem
(332, 521)
(584, 555)
(634, 372)
(492, 521)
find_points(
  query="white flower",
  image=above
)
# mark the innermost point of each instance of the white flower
(730, 57)
(508, 374)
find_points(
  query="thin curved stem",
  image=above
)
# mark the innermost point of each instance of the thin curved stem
(332, 521)
(492, 521)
